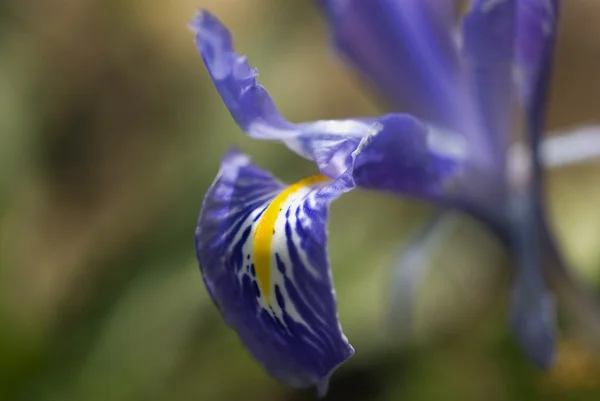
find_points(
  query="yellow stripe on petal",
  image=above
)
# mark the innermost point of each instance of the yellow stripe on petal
(263, 236)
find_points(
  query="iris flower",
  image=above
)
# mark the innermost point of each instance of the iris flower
(473, 96)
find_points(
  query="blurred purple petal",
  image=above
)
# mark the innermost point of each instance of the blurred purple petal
(407, 49)
(262, 252)
(533, 311)
(490, 43)
(537, 28)
(489, 32)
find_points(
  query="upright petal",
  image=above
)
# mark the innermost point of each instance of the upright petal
(248, 101)
(407, 49)
(489, 32)
(537, 25)
(396, 152)
(261, 246)
(509, 46)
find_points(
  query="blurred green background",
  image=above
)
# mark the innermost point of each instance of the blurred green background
(110, 134)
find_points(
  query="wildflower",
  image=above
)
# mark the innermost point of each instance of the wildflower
(475, 100)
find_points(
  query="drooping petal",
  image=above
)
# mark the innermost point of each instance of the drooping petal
(533, 309)
(534, 313)
(261, 246)
(407, 49)
(399, 153)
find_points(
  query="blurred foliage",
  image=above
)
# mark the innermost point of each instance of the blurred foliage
(111, 132)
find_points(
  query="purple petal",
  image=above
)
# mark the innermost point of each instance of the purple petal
(404, 158)
(537, 26)
(489, 32)
(509, 46)
(531, 25)
(394, 152)
(538, 21)
(407, 49)
(533, 310)
(262, 252)
(248, 101)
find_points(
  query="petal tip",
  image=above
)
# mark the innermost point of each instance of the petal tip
(214, 42)
(231, 73)
(204, 22)
(322, 386)
(234, 156)
(535, 328)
